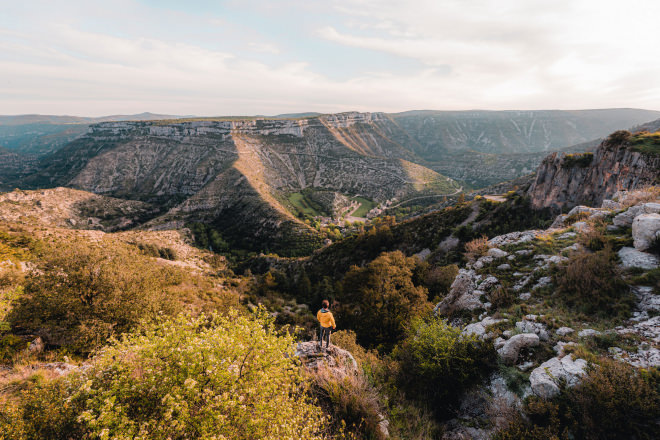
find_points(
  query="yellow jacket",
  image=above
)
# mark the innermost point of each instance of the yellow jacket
(325, 318)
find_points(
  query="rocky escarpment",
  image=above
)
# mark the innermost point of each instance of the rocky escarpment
(236, 174)
(565, 180)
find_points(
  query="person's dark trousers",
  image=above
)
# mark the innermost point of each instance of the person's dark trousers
(324, 336)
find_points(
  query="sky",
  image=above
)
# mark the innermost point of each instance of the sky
(249, 57)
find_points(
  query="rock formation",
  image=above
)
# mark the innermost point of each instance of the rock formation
(568, 180)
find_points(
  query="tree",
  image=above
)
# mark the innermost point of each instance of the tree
(380, 298)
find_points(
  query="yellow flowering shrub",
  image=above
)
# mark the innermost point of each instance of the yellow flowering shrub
(219, 377)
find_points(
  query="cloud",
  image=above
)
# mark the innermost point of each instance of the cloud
(471, 54)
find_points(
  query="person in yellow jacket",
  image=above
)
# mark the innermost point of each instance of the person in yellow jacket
(327, 322)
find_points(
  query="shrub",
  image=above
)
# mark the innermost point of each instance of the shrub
(378, 300)
(350, 401)
(578, 160)
(591, 283)
(476, 248)
(437, 362)
(220, 377)
(614, 401)
(439, 279)
(618, 137)
(81, 293)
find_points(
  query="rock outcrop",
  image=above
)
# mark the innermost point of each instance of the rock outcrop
(545, 379)
(511, 348)
(337, 360)
(569, 180)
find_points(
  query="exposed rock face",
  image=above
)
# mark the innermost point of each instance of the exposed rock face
(631, 257)
(466, 292)
(545, 379)
(511, 348)
(339, 361)
(562, 183)
(645, 230)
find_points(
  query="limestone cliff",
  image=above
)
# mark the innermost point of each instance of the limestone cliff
(565, 180)
(237, 173)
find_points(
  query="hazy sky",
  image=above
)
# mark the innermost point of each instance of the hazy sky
(242, 57)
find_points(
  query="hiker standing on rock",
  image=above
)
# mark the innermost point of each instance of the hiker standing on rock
(327, 322)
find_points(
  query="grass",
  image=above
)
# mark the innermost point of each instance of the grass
(366, 205)
(645, 142)
(304, 205)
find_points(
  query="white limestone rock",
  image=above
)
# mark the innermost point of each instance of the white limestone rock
(497, 253)
(610, 204)
(588, 333)
(546, 378)
(511, 348)
(645, 229)
(533, 327)
(514, 238)
(631, 257)
(563, 331)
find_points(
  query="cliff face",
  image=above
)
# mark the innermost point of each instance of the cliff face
(237, 174)
(564, 180)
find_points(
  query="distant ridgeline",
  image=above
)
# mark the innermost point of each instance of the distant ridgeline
(259, 181)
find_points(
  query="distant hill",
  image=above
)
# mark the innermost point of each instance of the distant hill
(43, 134)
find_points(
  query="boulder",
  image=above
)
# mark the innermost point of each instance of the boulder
(563, 331)
(337, 360)
(36, 346)
(537, 328)
(610, 204)
(645, 229)
(497, 253)
(588, 333)
(514, 238)
(511, 348)
(631, 257)
(560, 222)
(625, 219)
(580, 209)
(479, 328)
(647, 300)
(546, 378)
(463, 294)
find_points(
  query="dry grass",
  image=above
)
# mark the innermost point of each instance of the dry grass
(642, 195)
(349, 399)
(476, 248)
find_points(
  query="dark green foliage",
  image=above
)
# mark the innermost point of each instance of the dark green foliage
(156, 251)
(379, 299)
(410, 236)
(208, 238)
(577, 160)
(516, 214)
(591, 283)
(618, 137)
(437, 363)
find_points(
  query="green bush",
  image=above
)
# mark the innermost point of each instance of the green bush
(378, 300)
(437, 362)
(231, 377)
(591, 283)
(81, 293)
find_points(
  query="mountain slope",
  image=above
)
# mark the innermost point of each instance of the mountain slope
(237, 173)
